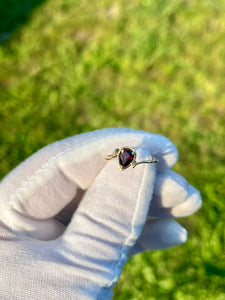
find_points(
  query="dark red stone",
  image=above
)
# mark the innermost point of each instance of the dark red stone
(125, 157)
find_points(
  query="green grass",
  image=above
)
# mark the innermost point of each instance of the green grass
(71, 66)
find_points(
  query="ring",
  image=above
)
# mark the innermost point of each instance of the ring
(127, 157)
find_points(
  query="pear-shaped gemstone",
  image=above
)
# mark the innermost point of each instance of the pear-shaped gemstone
(126, 157)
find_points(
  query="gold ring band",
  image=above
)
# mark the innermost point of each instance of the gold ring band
(127, 157)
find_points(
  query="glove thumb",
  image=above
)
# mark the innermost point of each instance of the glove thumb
(108, 223)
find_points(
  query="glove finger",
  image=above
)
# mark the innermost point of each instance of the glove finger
(187, 206)
(44, 230)
(109, 220)
(159, 234)
(171, 189)
(47, 181)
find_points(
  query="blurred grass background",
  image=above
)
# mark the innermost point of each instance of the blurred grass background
(71, 66)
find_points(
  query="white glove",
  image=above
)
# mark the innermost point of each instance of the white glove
(43, 259)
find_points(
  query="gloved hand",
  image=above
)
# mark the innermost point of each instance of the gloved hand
(41, 258)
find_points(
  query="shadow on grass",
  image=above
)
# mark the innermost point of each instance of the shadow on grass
(13, 14)
(212, 269)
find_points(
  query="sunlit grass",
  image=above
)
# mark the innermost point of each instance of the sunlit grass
(74, 66)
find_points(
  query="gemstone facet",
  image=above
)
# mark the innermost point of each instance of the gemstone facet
(126, 157)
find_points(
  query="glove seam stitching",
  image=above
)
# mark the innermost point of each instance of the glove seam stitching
(126, 243)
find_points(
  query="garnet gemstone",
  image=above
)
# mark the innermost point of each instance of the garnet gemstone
(126, 157)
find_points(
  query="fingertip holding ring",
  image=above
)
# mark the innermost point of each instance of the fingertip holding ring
(127, 157)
